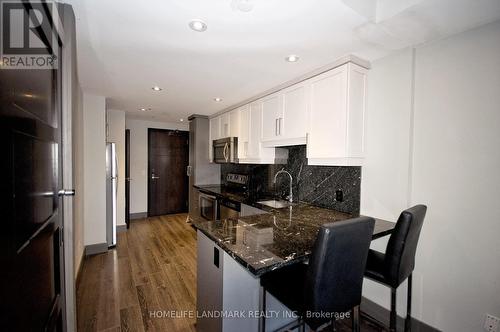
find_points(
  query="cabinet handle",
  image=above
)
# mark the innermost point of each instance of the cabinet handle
(276, 127)
(279, 126)
(224, 152)
(216, 257)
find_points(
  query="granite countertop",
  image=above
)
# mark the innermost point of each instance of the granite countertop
(264, 242)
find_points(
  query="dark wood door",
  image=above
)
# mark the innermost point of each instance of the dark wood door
(127, 177)
(31, 251)
(168, 153)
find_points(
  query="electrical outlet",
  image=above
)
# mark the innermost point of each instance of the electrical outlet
(491, 323)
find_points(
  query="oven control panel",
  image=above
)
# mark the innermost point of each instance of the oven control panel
(237, 178)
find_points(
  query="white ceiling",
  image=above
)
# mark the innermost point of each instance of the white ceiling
(125, 47)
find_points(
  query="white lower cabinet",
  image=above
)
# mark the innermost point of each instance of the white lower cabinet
(209, 283)
(337, 117)
(228, 288)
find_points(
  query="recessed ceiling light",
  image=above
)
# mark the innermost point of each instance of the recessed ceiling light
(144, 109)
(292, 58)
(242, 5)
(198, 25)
(217, 99)
(182, 120)
(156, 88)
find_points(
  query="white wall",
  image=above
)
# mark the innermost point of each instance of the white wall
(116, 134)
(139, 159)
(384, 179)
(452, 164)
(456, 171)
(94, 170)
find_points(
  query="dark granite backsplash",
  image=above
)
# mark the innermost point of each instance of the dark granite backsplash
(311, 184)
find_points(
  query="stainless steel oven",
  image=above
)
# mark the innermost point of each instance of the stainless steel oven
(225, 150)
(209, 207)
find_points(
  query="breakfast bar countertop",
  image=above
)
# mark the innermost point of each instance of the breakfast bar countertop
(264, 242)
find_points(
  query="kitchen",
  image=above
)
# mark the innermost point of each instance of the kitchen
(277, 166)
(413, 140)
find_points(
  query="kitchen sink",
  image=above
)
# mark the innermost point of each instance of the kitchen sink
(276, 204)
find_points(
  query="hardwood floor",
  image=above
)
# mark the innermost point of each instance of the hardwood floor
(153, 268)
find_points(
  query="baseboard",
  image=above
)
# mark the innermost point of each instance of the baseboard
(121, 228)
(382, 314)
(97, 248)
(138, 215)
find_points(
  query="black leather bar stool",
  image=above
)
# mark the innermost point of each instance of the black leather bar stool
(333, 279)
(398, 262)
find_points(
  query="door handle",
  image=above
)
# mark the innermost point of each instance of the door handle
(188, 170)
(66, 192)
(153, 177)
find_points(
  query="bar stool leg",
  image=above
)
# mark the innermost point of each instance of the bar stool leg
(355, 319)
(408, 306)
(392, 325)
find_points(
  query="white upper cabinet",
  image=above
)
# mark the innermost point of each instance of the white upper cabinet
(326, 112)
(225, 130)
(213, 134)
(272, 116)
(295, 110)
(234, 123)
(250, 149)
(244, 136)
(336, 116)
(284, 117)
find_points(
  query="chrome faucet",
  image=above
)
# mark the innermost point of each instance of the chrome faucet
(290, 195)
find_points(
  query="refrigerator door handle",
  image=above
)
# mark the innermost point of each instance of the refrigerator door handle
(66, 192)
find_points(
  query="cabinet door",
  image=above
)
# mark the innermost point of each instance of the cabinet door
(213, 134)
(225, 125)
(234, 123)
(293, 123)
(327, 115)
(254, 133)
(272, 111)
(243, 138)
(209, 294)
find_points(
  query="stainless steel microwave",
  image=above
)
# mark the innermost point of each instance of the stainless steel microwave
(225, 150)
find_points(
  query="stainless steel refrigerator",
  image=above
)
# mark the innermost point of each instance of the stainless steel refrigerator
(200, 170)
(111, 193)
